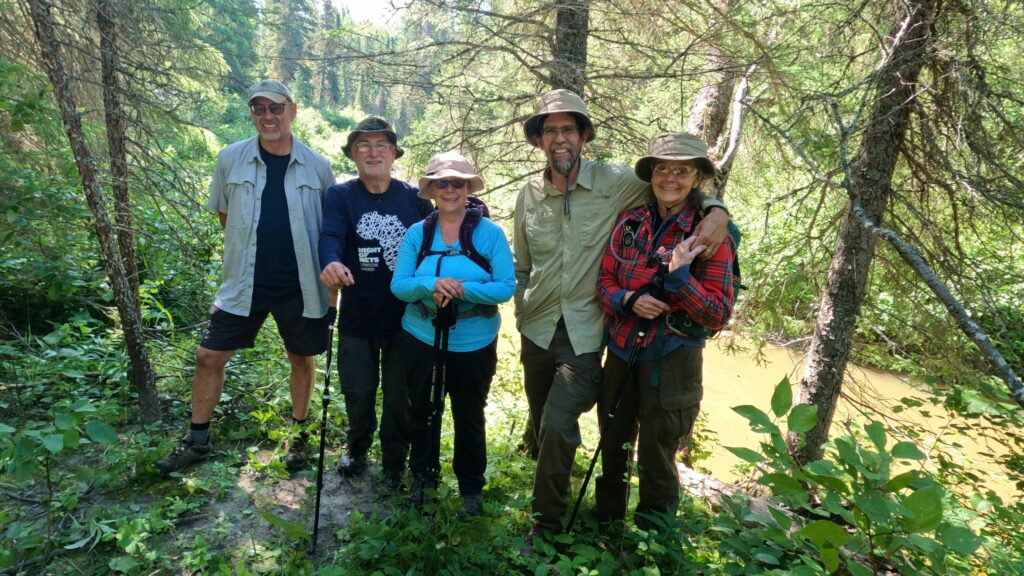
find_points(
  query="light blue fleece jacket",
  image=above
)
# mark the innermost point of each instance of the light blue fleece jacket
(412, 283)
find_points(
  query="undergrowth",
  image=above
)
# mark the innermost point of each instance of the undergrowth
(79, 494)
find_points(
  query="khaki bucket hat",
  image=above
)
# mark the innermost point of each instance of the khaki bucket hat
(272, 90)
(373, 124)
(675, 146)
(449, 165)
(555, 101)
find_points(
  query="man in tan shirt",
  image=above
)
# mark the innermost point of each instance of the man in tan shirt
(562, 221)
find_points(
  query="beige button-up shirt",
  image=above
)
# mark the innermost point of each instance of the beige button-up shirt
(557, 256)
(237, 190)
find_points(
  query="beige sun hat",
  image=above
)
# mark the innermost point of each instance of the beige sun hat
(270, 89)
(555, 101)
(675, 146)
(449, 165)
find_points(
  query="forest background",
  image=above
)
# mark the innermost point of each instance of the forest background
(871, 153)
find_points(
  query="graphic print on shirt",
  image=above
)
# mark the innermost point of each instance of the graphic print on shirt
(388, 231)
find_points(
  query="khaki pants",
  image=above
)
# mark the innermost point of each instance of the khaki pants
(560, 386)
(659, 416)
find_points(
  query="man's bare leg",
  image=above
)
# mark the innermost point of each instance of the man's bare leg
(208, 383)
(300, 383)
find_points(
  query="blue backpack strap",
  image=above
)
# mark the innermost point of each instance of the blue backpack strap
(469, 223)
(429, 228)
(475, 210)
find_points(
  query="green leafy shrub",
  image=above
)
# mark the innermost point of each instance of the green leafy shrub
(852, 511)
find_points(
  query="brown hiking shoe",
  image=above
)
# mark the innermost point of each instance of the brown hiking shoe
(296, 458)
(184, 455)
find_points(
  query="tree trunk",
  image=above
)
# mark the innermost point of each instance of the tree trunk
(141, 373)
(709, 117)
(868, 182)
(912, 256)
(709, 110)
(114, 114)
(569, 62)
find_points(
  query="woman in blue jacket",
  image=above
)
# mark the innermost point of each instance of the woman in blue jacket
(468, 266)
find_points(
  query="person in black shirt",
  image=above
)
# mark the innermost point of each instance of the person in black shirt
(268, 192)
(365, 220)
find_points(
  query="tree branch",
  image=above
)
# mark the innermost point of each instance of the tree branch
(970, 328)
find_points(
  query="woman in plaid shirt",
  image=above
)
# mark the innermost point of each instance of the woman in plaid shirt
(661, 303)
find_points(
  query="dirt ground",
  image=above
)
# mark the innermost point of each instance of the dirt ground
(291, 499)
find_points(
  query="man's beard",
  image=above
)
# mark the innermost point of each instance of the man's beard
(565, 166)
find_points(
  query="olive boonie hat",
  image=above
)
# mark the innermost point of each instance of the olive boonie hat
(272, 90)
(372, 124)
(449, 165)
(555, 101)
(675, 146)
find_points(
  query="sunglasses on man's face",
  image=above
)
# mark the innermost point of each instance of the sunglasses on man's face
(261, 109)
(456, 184)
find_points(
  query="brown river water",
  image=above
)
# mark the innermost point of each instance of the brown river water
(733, 378)
(734, 375)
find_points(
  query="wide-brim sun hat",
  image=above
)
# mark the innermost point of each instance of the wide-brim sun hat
(372, 124)
(675, 146)
(555, 101)
(449, 165)
(272, 90)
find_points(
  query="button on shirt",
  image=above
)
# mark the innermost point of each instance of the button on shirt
(557, 256)
(236, 190)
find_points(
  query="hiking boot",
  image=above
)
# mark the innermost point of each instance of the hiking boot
(393, 479)
(184, 455)
(472, 505)
(297, 449)
(538, 533)
(418, 494)
(350, 466)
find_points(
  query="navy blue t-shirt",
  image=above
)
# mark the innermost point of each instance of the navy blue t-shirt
(276, 273)
(363, 231)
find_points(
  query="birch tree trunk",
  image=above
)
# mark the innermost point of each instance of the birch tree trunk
(869, 185)
(141, 375)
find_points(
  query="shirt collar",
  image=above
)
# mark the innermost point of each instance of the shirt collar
(298, 153)
(584, 178)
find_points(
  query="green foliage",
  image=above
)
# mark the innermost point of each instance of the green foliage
(850, 510)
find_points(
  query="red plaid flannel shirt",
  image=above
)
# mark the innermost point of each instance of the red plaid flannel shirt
(707, 296)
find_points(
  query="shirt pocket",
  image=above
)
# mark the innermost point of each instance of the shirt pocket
(594, 224)
(241, 199)
(542, 235)
(309, 192)
(309, 186)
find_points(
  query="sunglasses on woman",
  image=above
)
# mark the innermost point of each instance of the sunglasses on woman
(456, 184)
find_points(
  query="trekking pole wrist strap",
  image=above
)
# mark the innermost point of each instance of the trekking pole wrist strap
(628, 304)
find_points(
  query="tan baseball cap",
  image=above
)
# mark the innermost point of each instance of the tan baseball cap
(270, 89)
(449, 165)
(560, 100)
(675, 146)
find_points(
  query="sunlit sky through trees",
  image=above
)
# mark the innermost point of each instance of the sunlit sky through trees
(376, 11)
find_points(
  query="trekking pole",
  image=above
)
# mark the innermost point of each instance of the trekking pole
(323, 424)
(443, 322)
(638, 341)
(655, 289)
